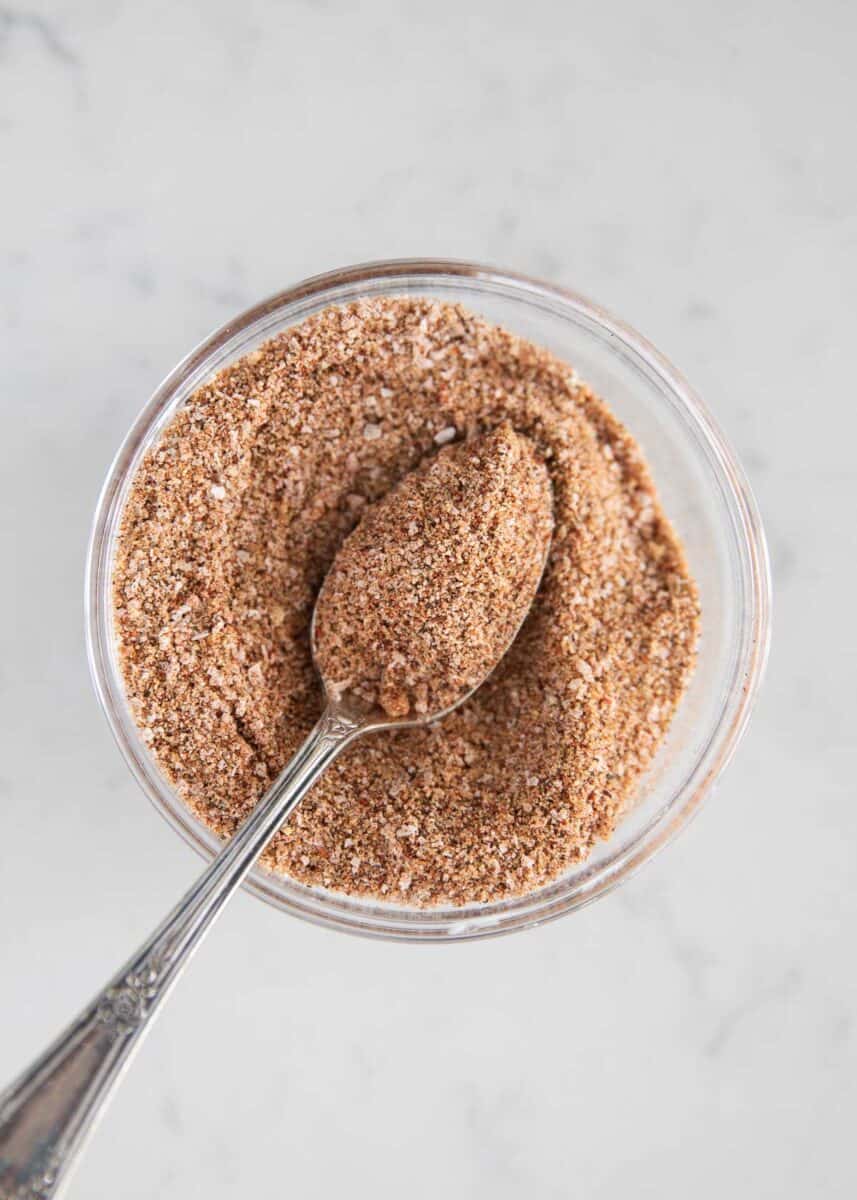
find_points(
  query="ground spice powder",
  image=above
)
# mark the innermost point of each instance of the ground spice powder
(234, 518)
(426, 594)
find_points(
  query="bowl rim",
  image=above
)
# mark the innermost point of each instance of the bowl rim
(399, 923)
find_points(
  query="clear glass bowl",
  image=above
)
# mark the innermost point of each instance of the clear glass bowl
(703, 491)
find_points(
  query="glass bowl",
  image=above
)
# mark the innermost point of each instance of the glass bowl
(703, 490)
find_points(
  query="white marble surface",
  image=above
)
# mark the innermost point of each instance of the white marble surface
(692, 167)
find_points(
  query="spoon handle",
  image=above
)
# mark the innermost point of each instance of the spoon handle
(47, 1113)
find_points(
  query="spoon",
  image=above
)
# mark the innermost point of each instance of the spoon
(47, 1113)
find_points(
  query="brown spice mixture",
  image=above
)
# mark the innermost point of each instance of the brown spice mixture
(234, 518)
(426, 594)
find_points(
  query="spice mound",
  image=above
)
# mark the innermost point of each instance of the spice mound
(431, 587)
(236, 515)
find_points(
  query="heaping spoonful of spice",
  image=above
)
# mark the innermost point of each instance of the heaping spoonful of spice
(428, 592)
(422, 601)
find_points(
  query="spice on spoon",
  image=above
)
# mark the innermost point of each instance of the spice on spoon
(427, 592)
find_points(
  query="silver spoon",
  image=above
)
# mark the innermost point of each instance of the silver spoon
(47, 1113)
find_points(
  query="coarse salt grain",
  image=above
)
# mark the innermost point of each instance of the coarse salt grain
(447, 434)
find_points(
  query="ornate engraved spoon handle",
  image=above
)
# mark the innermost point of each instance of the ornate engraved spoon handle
(48, 1112)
